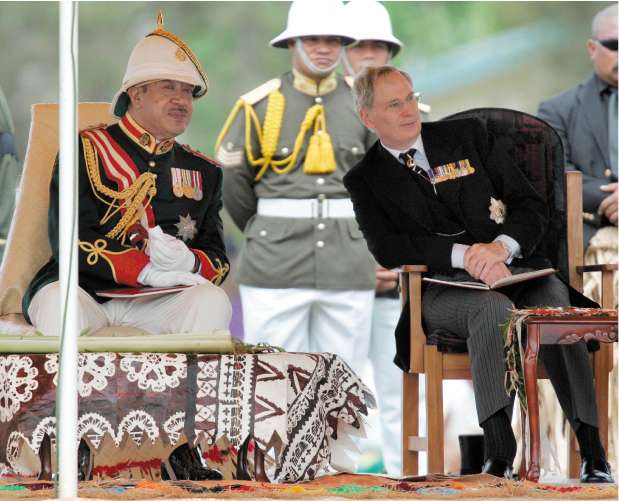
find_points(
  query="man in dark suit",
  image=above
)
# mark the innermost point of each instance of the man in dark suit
(449, 197)
(585, 117)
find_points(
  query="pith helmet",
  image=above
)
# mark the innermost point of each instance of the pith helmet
(160, 55)
(314, 18)
(369, 20)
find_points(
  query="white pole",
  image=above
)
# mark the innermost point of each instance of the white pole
(66, 399)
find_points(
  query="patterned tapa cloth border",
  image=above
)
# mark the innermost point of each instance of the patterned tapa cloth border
(339, 486)
(135, 408)
(514, 342)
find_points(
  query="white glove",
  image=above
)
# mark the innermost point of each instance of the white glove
(154, 277)
(168, 253)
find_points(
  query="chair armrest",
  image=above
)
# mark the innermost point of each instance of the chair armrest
(597, 267)
(413, 268)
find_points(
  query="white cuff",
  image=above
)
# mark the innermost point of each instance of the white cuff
(457, 255)
(512, 246)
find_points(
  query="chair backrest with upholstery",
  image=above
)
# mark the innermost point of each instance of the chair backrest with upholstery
(28, 246)
(537, 151)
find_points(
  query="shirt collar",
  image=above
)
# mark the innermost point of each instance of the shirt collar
(310, 87)
(602, 86)
(144, 139)
(417, 144)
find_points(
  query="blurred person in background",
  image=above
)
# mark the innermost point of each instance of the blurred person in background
(306, 276)
(585, 117)
(10, 171)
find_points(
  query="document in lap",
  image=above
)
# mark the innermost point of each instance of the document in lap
(133, 292)
(503, 282)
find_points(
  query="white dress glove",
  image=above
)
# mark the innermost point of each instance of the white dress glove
(154, 277)
(168, 253)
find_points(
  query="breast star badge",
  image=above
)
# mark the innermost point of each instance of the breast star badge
(186, 227)
(497, 210)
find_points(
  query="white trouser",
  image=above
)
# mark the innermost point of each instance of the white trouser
(310, 320)
(387, 380)
(201, 308)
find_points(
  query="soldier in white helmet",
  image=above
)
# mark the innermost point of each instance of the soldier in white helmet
(306, 276)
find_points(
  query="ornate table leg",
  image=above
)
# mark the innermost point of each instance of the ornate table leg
(530, 382)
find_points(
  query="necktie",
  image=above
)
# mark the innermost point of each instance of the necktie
(612, 129)
(408, 158)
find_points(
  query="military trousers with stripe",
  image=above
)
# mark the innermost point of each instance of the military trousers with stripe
(476, 315)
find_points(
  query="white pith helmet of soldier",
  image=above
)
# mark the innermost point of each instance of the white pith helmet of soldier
(314, 18)
(160, 55)
(369, 20)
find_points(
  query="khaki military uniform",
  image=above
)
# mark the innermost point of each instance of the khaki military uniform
(293, 241)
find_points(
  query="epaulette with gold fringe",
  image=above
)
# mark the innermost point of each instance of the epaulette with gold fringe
(199, 154)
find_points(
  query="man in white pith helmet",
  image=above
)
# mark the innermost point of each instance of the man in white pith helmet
(306, 276)
(149, 207)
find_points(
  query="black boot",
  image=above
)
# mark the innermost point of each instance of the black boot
(84, 462)
(186, 464)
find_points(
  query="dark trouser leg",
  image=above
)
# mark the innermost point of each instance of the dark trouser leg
(568, 366)
(475, 316)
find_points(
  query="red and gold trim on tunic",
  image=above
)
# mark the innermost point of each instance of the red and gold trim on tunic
(142, 137)
(125, 265)
(118, 166)
(212, 272)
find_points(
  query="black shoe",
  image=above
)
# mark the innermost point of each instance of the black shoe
(186, 465)
(498, 468)
(84, 462)
(595, 471)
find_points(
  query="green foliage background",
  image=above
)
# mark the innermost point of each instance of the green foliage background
(231, 40)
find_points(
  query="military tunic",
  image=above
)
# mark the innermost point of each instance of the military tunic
(287, 252)
(113, 159)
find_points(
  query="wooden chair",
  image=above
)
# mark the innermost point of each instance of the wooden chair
(535, 144)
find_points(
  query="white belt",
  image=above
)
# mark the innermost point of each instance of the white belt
(320, 207)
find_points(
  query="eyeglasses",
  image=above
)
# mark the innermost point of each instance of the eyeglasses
(608, 44)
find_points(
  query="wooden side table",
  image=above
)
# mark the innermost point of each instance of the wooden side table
(556, 330)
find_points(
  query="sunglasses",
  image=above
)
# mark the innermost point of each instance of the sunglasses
(608, 44)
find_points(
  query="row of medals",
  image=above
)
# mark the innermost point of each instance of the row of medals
(182, 185)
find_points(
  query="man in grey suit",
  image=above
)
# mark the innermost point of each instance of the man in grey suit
(585, 117)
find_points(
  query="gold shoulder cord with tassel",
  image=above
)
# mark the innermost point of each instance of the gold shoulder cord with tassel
(133, 200)
(319, 159)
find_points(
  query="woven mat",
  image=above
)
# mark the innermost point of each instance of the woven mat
(343, 485)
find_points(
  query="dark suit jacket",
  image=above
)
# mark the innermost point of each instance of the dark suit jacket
(394, 216)
(580, 117)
